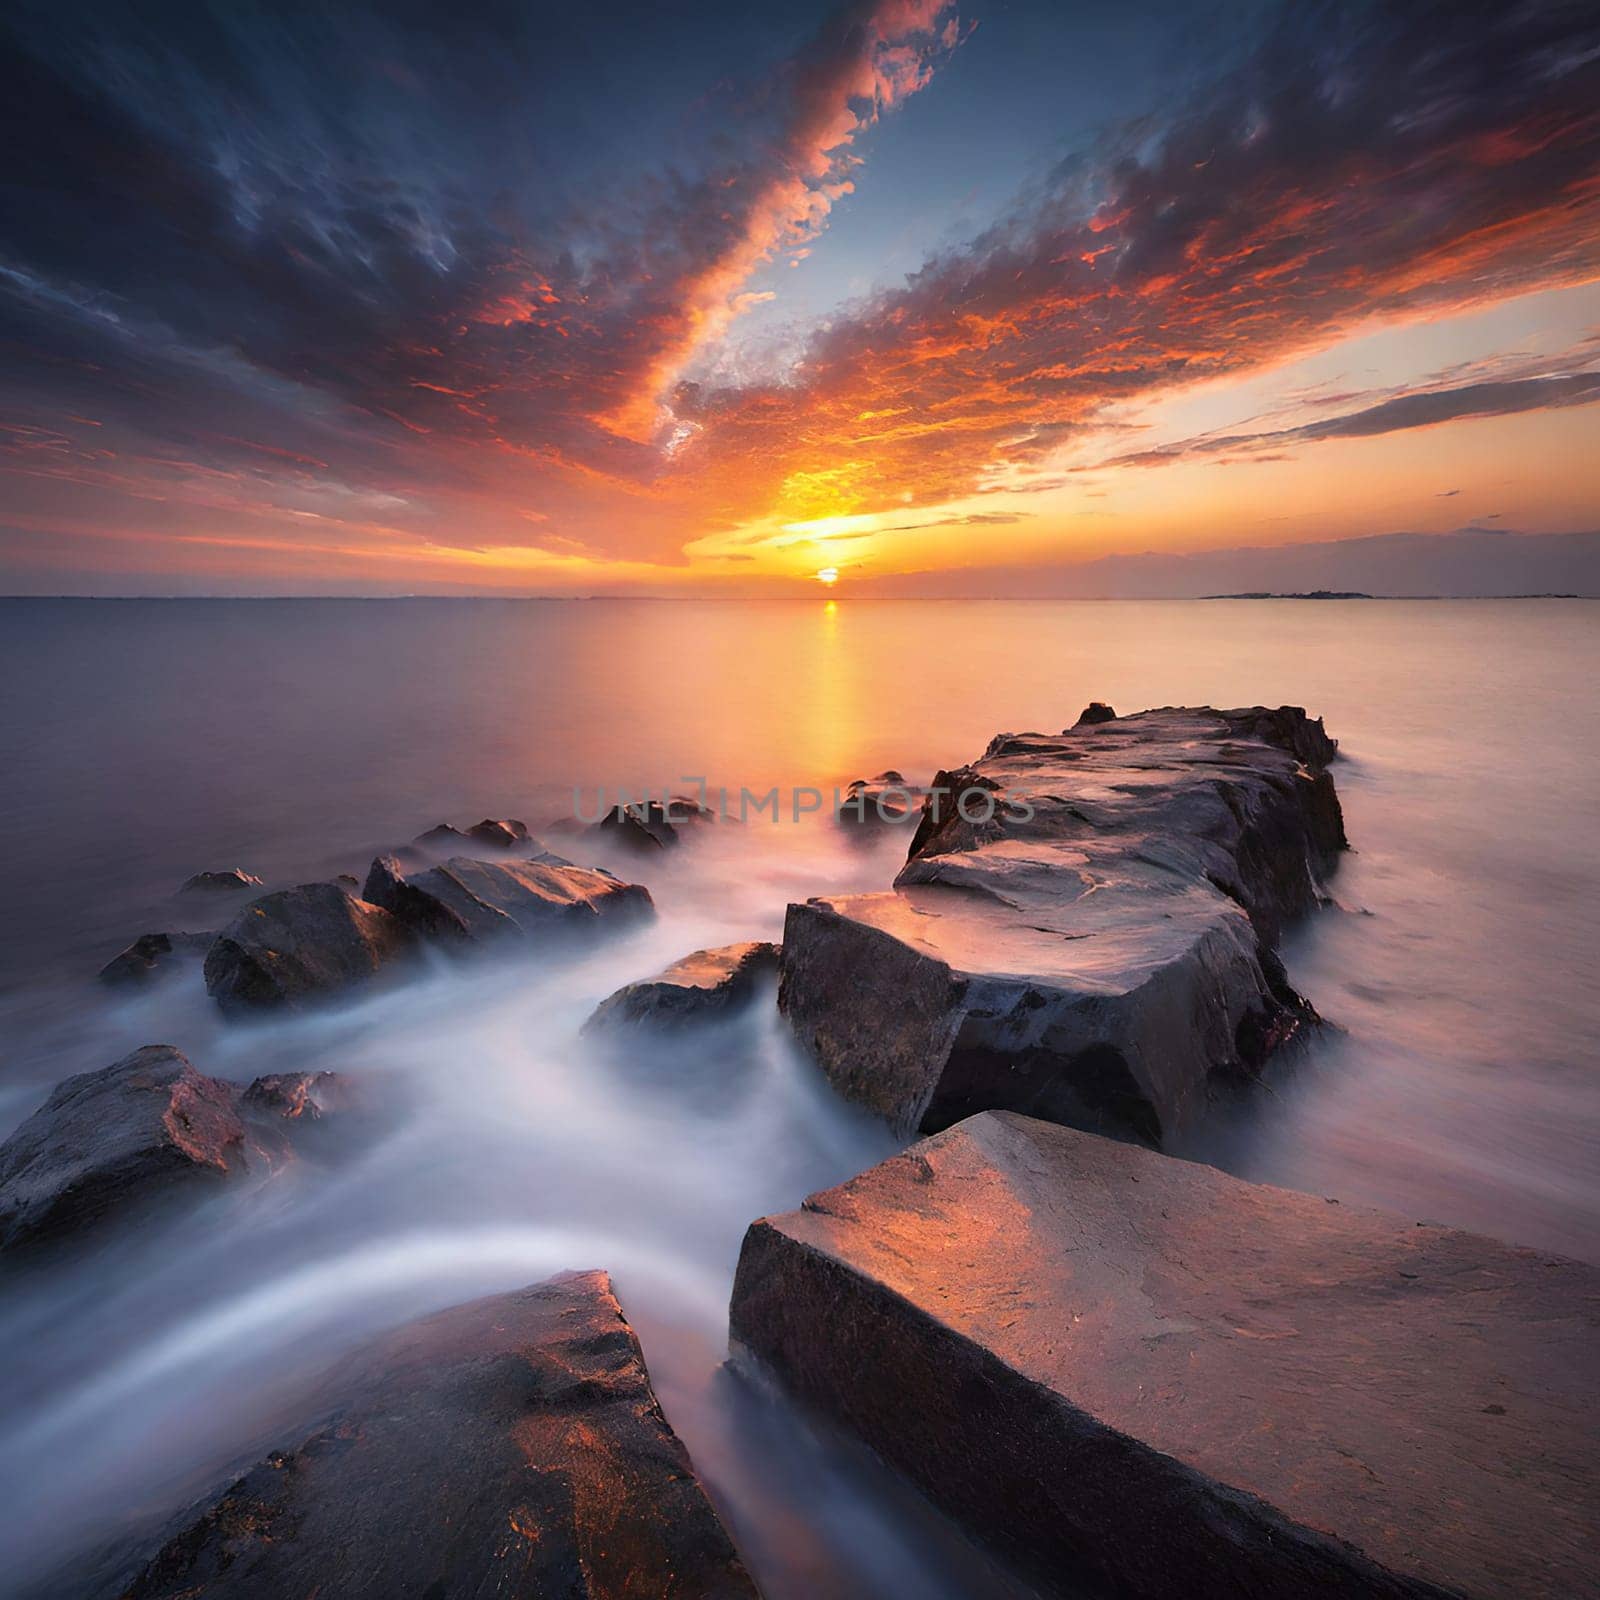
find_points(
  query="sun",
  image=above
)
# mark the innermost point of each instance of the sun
(828, 576)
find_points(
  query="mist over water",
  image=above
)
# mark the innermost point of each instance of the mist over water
(143, 741)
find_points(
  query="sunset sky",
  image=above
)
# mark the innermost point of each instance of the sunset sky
(473, 298)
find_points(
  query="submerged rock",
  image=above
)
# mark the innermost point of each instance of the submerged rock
(468, 901)
(699, 988)
(318, 1115)
(884, 798)
(498, 834)
(652, 825)
(154, 953)
(301, 1097)
(1128, 1373)
(512, 1446)
(108, 1144)
(300, 945)
(1082, 930)
(233, 879)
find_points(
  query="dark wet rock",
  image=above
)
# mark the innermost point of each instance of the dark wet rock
(512, 1446)
(152, 954)
(498, 834)
(226, 882)
(301, 945)
(109, 1144)
(316, 1114)
(1083, 929)
(699, 988)
(884, 798)
(503, 833)
(1134, 1375)
(464, 900)
(1096, 712)
(300, 1097)
(652, 825)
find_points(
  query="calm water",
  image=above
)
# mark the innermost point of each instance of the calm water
(141, 741)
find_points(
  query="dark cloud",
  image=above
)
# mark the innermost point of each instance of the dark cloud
(1391, 159)
(414, 272)
(1392, 415)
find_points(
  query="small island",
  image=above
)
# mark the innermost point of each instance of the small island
(1308, 594)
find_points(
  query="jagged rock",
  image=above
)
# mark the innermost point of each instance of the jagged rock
(1083, 930)
(499, 834)
(699, 988)
(153, 953)
(315, 1114)
(885, 798)
(108, 1144)
(300, 945)
(512, 1446)
(300, 1097)
(208, 882)
(1097, 711)
(465, 900)
(650, 825)
(1134, 1375)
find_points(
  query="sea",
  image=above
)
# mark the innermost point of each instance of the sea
(144, 740)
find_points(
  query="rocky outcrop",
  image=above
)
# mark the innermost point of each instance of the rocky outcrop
(466, 901)
(110, 1144)
(512, 1446)
(298, 946)
(153, 954)
(700, 988)
(1131, 1374)
(1097, 711)
(229, 882)
(884, 798)
(1084, 928)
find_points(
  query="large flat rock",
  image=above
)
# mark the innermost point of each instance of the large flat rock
(1115, 1367)
(508, 1447)
(1084, 928)
(468, 901)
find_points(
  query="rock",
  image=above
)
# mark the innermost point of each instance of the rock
(885, 798)
(1083, 929)
(298, 946)
(470, 901)
(699, 988)
(1135, 1375)
(299, 1096)
(512, 1446)
(652, 825)
(108, 1144)
(208, 882)
(1096, 712)
(314, 1114)
(153, 953)
(504, 834)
